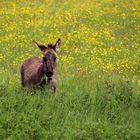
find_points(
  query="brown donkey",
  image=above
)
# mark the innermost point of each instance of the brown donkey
(34, 70)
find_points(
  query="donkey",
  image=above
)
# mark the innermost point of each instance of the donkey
(35, 70)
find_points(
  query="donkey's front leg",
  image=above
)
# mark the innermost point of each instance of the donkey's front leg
(53, 84)
(42, 83)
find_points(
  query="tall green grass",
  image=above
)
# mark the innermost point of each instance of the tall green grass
(105, 108)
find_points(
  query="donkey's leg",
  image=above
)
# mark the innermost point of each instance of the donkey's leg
(53, 84)
(43, 82)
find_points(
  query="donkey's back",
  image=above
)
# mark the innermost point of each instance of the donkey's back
(32, 71)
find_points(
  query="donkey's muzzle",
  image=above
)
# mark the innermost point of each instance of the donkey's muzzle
(49, 74)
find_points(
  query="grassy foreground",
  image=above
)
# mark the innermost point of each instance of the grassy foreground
(98, 95)
(106, 108)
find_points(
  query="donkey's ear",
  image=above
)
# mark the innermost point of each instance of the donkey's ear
(41, 46)
(57, 45)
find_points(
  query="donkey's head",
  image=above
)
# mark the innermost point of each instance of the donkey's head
(49, 58)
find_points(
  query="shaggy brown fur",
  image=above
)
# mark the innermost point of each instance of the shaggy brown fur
(34, 70)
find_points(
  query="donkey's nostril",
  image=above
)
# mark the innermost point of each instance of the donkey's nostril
(49, 74)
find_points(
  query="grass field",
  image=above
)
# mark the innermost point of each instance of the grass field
(98, 70)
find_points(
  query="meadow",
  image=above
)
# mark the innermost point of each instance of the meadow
(98, 70)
